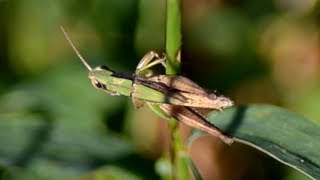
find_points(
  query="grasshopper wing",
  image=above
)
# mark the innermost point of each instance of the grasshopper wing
(179, 83)
(181, 91)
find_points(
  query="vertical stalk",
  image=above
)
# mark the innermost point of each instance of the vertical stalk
(173, 43)
(173, 37)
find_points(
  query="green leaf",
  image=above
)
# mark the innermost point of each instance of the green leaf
(53, 126)
(283, 135)
(25, 137)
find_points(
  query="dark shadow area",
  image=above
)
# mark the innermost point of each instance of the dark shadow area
(262, 165)
(133, 163)
(40, 138)
(237, 119)
(115, 120)
(123, 52)
(6, 74)
(139, 165)
(3, 172)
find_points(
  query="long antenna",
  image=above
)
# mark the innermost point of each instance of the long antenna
(75, 49)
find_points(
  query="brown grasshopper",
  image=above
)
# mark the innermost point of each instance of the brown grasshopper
(168, 96)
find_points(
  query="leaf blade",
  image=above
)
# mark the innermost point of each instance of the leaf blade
(285, 136)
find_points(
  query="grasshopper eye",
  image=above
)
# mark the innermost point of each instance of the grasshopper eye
(97, 84)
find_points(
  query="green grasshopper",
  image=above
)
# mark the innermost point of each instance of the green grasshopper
(168, 96)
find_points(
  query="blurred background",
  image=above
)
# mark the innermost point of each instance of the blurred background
(54, 124)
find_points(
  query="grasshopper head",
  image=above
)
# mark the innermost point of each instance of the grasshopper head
(99, 77)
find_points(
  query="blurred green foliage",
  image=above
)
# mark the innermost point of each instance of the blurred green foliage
(53, 124)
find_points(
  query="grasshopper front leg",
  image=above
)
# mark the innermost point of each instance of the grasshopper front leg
(149, 60)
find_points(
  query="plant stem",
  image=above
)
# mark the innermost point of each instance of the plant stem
(173, 44)
(173, 37)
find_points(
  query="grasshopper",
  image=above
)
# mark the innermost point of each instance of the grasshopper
(168, 96)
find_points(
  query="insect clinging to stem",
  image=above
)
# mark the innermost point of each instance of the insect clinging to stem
(168, 96)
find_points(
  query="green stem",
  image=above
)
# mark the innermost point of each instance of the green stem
(173, 44)
(173, 37)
